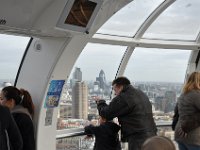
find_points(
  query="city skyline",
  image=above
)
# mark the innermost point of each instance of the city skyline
(92, 77)
(162, 96)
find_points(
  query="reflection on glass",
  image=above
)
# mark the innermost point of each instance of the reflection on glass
(178, 22)
(127, 21)
(91, 77)
(80, 13)
(11, 52)
(75, 143)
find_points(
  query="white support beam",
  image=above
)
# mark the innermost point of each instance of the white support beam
(148, 43)
(152, 18)
(124, 61)
(134, 42)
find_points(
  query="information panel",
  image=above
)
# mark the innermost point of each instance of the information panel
(53, 94)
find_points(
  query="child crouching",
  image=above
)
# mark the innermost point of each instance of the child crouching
(106, 135)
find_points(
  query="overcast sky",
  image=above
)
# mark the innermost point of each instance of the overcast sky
(179, 21)
(11, 52)
(144, 65)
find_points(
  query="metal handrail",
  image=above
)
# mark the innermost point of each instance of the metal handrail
(67, 133)
(71, 135)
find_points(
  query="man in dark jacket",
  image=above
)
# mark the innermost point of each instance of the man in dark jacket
(106, 135)
(10, 137)
(133, 110)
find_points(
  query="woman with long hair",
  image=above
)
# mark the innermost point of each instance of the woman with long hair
(188, 107)
(21, 106)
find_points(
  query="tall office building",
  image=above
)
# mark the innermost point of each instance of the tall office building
(77, 76)
(80, 100)
(102, 80)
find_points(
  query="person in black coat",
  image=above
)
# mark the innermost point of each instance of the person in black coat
(134, 112)
(106, 135)
(9, 133)
(22, 109)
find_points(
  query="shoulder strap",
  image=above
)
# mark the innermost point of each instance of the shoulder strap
(7, 140)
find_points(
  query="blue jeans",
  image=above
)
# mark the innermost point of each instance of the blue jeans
(183, 146)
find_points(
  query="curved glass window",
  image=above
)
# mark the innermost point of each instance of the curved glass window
(91, 76)
(180, 22)
(157, 65)
(127, 21)
(11, 52)
(160, 74)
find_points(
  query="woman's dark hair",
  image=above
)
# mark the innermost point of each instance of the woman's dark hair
(27, 101)
(21, 97)
(121, 81)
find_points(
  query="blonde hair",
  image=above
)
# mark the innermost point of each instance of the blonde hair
(193, 82)
(158, 143)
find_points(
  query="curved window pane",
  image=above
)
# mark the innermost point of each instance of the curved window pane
(157, 65)
(11, 52)
(127, 21)
(91, 76)
(160, 74)
(180, 22)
